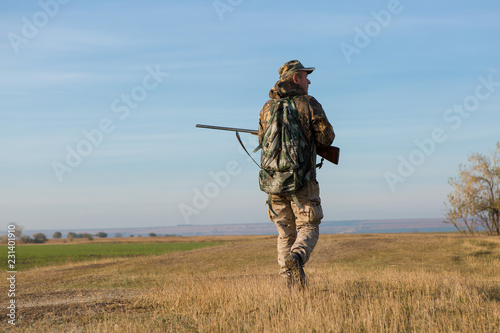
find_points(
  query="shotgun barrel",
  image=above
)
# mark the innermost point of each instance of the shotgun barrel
(242, 130)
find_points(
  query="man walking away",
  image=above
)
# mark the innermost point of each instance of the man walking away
(292, 125)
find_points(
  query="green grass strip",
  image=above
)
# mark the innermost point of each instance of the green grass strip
(30, 256)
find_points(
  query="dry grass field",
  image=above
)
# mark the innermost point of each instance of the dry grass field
(357, 283)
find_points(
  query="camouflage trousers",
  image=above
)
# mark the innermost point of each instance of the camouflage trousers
(298, 228)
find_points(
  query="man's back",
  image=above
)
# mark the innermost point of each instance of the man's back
(297, 215)
(312, 117)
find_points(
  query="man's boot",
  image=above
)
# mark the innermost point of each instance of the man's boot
(294, 264)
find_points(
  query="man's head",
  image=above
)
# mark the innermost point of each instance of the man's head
(296, 72)
(301, 79)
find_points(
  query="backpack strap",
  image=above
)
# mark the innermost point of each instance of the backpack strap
(314, 153)
(296, 201)
(270, 203)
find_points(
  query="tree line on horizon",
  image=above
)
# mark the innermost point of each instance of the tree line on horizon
(40, 237)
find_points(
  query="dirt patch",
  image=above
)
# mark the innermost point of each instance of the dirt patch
(73, 297)
(65, 306)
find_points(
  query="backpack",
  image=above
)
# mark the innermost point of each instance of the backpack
(287, 158)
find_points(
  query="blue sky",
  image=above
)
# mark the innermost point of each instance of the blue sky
(99, 102)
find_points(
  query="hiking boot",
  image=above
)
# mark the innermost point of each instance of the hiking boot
(294, 264)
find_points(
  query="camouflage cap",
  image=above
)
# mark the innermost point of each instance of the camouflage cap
(293, 67)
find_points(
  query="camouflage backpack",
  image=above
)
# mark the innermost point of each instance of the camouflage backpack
(286, 160)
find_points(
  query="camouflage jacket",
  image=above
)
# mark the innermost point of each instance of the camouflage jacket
(312, 117)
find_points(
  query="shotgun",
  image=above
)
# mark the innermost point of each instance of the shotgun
(330, 154)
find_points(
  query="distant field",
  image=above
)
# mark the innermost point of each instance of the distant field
(30, 256)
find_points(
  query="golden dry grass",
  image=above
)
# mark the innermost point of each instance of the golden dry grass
(357, 283)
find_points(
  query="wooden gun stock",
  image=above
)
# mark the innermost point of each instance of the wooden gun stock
(330, 154)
